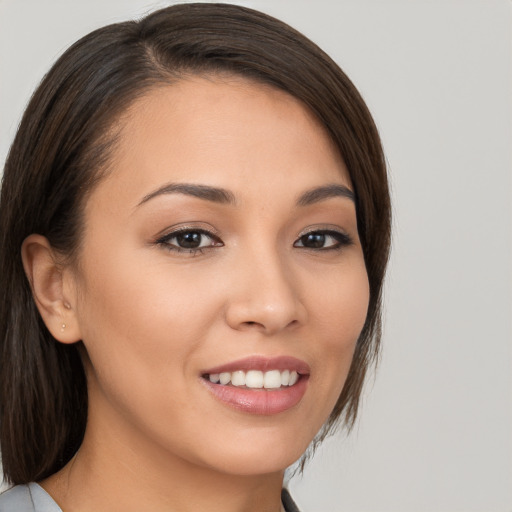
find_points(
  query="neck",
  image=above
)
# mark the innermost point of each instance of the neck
(116, 469)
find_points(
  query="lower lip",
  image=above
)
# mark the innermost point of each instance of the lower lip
(260, 401)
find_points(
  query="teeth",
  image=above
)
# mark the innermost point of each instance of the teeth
(225, 378)
(238, 378)
(255, 379)
(272, 379)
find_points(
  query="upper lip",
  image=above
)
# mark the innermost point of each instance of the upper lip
(263, 364)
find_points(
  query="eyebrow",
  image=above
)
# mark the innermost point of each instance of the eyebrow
(223, 196)
(214, 194)
(318, 194)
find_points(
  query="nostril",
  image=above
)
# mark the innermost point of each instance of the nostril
(252, 324)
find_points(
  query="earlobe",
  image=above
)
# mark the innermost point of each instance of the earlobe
(46, 278)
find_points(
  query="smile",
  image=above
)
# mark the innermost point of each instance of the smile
(259, 385)
(256, 379)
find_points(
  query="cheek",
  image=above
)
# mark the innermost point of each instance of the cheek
(137, 324)
(341, 307)
(142, 333)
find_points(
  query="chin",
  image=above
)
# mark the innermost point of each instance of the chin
(263, 464)
(266, 453)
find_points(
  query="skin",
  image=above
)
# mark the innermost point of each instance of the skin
(152, 319)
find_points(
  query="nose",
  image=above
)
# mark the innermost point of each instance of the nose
(264, 296)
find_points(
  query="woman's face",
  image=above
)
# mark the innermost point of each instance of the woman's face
(224, 240)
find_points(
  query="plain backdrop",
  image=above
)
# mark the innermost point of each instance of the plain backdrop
(435, 432)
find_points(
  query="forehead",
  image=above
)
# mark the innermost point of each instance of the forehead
(223, 131)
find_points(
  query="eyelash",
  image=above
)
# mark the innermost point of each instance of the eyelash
(165, 241)
(341, 240)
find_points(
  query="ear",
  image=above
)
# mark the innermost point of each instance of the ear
(51, 284)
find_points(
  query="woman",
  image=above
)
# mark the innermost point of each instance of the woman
(201, 207)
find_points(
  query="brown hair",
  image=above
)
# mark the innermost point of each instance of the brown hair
(62, 148)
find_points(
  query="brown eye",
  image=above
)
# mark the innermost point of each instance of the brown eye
(323, 240)
(313, 240)
(190, 240)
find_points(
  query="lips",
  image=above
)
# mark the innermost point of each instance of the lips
(262, 364)
(259, 385)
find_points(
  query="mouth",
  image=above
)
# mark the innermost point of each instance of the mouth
(255, 379)
(259, 385)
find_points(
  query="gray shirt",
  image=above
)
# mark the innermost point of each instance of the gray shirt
(33, 498)
(27, 498)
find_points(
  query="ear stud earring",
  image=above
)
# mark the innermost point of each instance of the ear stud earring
(62, 327)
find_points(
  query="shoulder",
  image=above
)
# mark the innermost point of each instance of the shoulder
(33, 498)
(27, 498)
(16, 499)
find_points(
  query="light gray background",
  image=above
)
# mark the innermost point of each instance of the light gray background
(435, 433)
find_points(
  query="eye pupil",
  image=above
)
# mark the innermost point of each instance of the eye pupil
(189, 240)
(313, 240)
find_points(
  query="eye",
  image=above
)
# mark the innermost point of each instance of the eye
(323, 240)
(189, 240)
